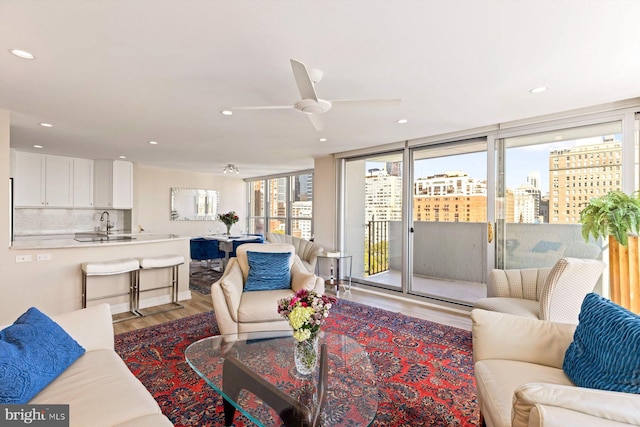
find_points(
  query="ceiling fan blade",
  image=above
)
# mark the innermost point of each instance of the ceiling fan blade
(264, 107)
(305, 85)
(367, 102)
(317, 120)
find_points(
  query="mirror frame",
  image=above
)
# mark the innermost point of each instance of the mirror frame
(194, 204)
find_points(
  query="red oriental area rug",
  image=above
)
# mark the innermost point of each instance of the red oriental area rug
(424, 369)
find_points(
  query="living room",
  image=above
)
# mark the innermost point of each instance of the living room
(110, 78)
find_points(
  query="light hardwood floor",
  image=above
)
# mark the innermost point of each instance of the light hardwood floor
(201, 303)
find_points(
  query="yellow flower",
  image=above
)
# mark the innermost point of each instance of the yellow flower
(299, 316)
(302, 334)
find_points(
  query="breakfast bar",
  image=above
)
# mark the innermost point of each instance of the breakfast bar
(52, 269)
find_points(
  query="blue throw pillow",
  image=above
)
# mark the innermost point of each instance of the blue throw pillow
(605, 352)
(268, 271)
(33, 352)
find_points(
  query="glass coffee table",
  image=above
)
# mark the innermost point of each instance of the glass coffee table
(263, 361)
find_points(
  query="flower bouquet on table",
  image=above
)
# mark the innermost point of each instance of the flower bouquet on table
(306, 312)
(228, 219)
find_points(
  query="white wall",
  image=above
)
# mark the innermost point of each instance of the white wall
(324, 202)
(152, 199)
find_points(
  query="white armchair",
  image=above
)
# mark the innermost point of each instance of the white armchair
(305, 249)
(520, 381)
(238, 311)
(553, 294)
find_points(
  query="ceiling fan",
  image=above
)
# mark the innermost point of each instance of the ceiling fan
(310, 104)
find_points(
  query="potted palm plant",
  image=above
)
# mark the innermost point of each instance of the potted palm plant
(616, 215)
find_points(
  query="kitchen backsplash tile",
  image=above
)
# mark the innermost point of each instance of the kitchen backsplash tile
(62, 221)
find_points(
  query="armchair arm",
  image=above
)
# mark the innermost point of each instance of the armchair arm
(301, 278)
(595, 407)
(231, 284)
(506, 336)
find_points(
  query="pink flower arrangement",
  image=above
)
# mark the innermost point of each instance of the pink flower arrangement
(228, 218)
(306, 312)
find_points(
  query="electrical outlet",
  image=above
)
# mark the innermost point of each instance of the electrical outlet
(43, 257)
(23, 258)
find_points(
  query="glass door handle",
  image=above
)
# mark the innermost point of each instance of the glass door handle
(490, 232)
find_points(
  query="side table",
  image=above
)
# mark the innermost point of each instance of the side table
(335, 269)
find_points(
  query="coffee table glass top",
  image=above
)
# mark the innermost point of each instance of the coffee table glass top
(352, 398)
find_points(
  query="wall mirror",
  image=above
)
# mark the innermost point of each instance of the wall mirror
(191, 204)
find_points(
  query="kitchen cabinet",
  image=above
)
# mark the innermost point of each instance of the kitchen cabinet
(42, 180)
(82, 183)
(113, 184)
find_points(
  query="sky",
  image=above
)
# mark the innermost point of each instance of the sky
(520, 162)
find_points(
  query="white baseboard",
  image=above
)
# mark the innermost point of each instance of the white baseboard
(150, 302)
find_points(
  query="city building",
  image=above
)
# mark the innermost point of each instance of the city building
(580, 173)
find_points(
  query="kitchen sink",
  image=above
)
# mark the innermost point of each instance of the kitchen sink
(100, 237)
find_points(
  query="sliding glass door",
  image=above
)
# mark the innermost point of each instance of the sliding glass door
(449, 241)
(373, 218)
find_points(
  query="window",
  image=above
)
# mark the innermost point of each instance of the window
(282, 205)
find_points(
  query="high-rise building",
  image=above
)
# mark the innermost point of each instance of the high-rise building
(451, 197)
(580, 173)
(383, 196)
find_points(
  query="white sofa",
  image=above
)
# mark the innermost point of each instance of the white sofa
(520, 381)
(99, 388)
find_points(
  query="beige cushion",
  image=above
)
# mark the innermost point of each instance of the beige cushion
(111, 267)
(100, 390)
(261, 306)
(519, 307)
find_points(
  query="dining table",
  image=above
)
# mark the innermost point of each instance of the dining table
(225, 242)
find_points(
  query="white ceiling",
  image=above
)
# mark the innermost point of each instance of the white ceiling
(113, 75)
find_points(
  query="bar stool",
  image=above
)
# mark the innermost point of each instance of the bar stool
(163, 261)
(110, 268)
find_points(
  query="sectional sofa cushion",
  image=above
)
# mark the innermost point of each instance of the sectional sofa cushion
(605, 352)
(34, 351)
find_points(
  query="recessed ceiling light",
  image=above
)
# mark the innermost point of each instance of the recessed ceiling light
(153, 142)
(37, 146)
(22, 54)
(46, 125)
(226, 112)
(538, 89)
(122, 157)
(403, 121)
(323, 140)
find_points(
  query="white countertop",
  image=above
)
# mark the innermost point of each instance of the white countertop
(70, 242)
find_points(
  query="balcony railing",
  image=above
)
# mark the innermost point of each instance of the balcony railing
(377, 256)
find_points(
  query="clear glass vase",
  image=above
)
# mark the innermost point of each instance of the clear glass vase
(305, 354)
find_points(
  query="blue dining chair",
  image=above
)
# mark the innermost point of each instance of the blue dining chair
(206, 250)
(259, 239)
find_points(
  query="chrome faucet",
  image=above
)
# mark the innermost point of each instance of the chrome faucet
(109, 224)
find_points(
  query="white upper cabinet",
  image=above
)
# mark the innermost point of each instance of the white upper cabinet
(82, 183)
(58, 181)
(42, 181)
(113, 184)
(28, 180)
